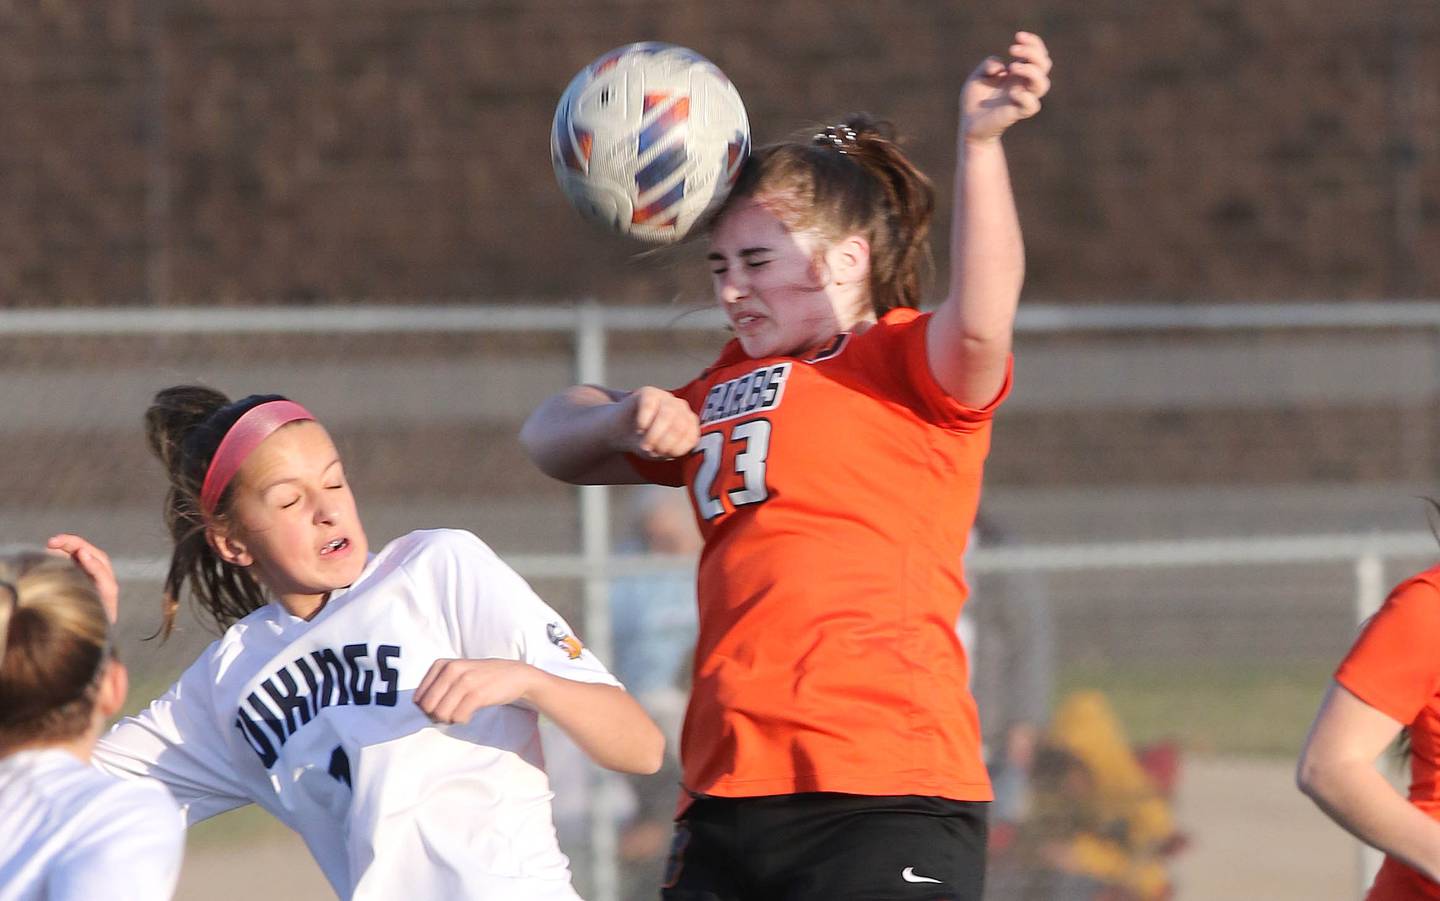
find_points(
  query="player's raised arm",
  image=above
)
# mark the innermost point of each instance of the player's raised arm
(582, 434)
(970, 336)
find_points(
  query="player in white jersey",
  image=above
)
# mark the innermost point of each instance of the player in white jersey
(382, 705)
(68, 832)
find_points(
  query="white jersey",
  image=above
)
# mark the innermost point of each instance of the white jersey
(70, 833)
(315, 721)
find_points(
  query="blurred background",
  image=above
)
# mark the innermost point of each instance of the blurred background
(1227, 368)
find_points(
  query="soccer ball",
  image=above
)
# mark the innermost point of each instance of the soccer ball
(648, 139)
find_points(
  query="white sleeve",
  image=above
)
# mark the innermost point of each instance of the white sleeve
(128, 849)
(178, 741)
(495, 613)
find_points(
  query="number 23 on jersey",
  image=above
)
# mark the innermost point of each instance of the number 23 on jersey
(741, 482)
(745, 483)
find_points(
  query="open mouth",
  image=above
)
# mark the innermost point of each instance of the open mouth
(338, 544)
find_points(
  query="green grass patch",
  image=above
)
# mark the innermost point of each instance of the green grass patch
(1210, 707)
(245, 825)
(142, 692)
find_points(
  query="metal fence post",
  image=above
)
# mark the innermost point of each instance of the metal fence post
(590, 349)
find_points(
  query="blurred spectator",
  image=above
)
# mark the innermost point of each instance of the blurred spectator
(653, 618)
(1009, 640)
(653, 621)
(1100, 828)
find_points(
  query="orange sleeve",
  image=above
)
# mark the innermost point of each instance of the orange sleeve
(1394, 666)
(659, 472)
(904, 342)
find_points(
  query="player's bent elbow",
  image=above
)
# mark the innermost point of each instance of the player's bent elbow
(646, 749)
(1305, 778)
(549, 456)
(1314, 777)
(650, 754)
(656, 758)
(562, 453)
(538, 445)
(625, 739)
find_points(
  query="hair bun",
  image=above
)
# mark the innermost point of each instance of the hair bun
(866, 126)
(174, 414)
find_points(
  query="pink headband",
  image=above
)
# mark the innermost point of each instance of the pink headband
(258, 423)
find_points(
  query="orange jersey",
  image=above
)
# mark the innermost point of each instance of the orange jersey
(835, 492)
(1395, 668)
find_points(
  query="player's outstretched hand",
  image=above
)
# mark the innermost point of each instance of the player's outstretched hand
(96, 564)
(998, 94)
(453, 689)
(656, 424)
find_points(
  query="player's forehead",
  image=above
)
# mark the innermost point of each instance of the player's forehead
(753, 222)
(296, 450)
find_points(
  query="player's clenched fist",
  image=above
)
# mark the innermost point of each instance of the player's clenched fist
(656, 424)
(453, 690)
(1000, 93)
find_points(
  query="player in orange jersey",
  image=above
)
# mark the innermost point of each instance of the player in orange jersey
(1389, 681)
(833, 455)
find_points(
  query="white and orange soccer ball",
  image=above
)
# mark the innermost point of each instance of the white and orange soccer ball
(648, 139)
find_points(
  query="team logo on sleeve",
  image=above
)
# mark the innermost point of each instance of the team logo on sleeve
(753, 392)
(564, 640)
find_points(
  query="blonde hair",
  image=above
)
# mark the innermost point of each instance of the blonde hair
(54, 641)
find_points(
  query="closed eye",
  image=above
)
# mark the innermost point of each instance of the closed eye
(750, 263)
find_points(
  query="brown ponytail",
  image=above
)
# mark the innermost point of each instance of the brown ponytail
(54, 641)
(852, 178)
(184, 426)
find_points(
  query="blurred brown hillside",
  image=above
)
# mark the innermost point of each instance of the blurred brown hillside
(183, 151)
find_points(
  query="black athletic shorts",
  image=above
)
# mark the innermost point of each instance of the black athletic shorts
(828, 847)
